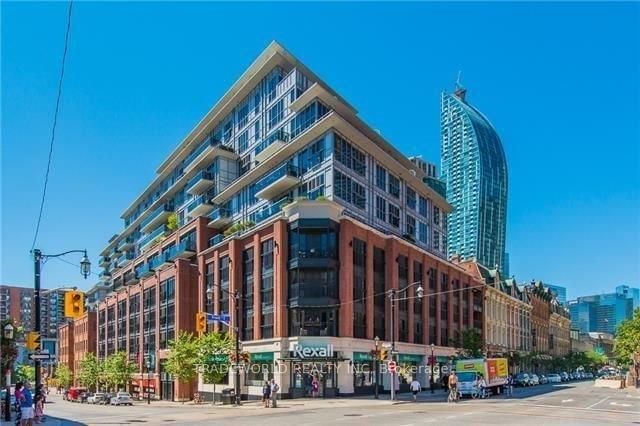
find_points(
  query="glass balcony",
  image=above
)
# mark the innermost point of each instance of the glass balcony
(200, 183)
(125, 259)
(126, 243)
(271, 210)
(277, 182)
(183, 250)
(156, 217)
(105, 261)
(206, 152)
(146, 270)
(219, 217)
(105, 276)
(271, 145)
(131, 278)
(215, 240)
(200, 206)
(148, 239)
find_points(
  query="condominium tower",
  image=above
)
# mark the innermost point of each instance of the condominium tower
(282, 193)
(474, 169)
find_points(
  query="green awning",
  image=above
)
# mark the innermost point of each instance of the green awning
(362, 356)
(261, 357)
(410, 358)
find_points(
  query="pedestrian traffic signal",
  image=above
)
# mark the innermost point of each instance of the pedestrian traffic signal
(201, 322)
(73, 304)
(33, 341)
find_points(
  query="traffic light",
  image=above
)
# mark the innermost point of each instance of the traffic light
(33, 341)
(73, 304)
(384, 353)
(201, 322)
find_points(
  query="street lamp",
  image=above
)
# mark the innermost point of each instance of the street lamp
(38, 258)
(393, 299)
(376, 366)
(236, 313)
(7, 335)
(432, 361)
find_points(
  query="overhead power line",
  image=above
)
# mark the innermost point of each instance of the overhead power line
(55, 122)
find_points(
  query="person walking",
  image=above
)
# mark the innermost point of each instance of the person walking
(266, 394)
(315, 386)
(274, 393)
(26, 406)
(509, 392)
(415, 387)
(39, 409)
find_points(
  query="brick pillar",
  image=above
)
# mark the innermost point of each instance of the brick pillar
(202, 284)
(438, 305)
(257, 279)
(216, 288)
(346, 279)
(235, 282)
(410, 293)
(391, 272)
(425, 300)
(280, 278)
(470, 305)
(369, 303)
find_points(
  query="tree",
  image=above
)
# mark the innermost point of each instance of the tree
(91, 372)
(172, 222)
(470, 343)
(627, 342)
(118, 370)
(25, 373)
(214, 351)
(64, 375)
(183, 357)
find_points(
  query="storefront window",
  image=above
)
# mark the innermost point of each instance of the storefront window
(363, 368)
(313, 322)
(260, 369)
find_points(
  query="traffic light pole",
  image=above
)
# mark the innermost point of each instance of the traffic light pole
(37, 262)
(392, 294)
(237, 327)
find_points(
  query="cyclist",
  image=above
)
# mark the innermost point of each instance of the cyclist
(482, 384)
(453, 385)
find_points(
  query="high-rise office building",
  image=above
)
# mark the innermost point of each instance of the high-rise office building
(284, 194)
(559, 292)
(17, 303)
(603, 313)
(474, 170)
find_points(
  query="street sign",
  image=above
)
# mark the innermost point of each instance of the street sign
(386, 345)
(392, 366)
(223, 318)
(39, 356)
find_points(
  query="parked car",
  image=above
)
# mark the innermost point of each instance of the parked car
(564, 376)
(589, 376)
(572, 376)
(107, 399)
(122, 398)
(554, 378)
(96, 398)
(534, 379)
(75, 394)
(522, 379)
(543, 379)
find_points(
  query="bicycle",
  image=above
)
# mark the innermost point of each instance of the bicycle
(454, 395)
(478, 392)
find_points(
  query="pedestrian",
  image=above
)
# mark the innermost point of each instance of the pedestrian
(18, 397)
(274, 393)
(445, 382)
(315, 385)
(415, 387)
(39, 410)
(509, 385)
(26, 406)
(266, 394)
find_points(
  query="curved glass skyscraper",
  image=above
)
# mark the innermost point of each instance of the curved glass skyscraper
(474, 168)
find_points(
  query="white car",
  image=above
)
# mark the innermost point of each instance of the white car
(554, 378)
(122, 398)
(95, 398)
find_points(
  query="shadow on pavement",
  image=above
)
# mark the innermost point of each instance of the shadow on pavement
(59, 421)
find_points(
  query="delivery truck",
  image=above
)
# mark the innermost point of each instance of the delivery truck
(494, 371)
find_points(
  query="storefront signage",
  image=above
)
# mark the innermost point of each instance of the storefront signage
(261, 356)
(362, 356)
(303, 352)
(410, 358)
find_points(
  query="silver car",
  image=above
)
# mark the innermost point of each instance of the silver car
(122, 398)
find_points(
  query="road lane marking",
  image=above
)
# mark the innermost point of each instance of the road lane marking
(620, 405)
(608, 410)
(567, 400)
(599, 402)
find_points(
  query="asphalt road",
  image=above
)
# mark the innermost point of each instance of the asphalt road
(566, 404)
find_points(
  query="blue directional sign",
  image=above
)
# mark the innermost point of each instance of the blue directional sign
(223, 318)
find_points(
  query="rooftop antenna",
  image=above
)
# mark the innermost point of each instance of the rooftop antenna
(458, 84)
(460, 91)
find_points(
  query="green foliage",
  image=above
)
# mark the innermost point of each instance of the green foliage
(118, 370)
(8, 348)
(627, 341)
(183, 357)
(64, 375)
(25, 373)
(211, 348)
(172, 222)
(238, 227)
(321, 198)
(91, 372)
(470, 343)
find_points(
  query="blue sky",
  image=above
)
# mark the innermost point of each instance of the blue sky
(558, 81)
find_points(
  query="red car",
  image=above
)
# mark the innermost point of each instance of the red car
(74, 394)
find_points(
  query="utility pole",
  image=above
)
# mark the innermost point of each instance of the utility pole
(236, 296)
(392, 294)
(37, 259)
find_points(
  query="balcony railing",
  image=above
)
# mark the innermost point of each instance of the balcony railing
(200, 182)
(105, 276)
(271, 144)
(162, 230)
(200, 206)
(125, 259)
(105, 261)
(215, 240)
(207, 151)
(183, 250)
(219, 217)
(271, 210)
(156, 216)
(278, 181)
(126, 243)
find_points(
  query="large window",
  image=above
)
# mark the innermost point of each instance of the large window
(418, 333)
(247, 293)
(433, 307)
(167, 312)
(394, 186)
(349, 190)
(410, 226)
(275, 114)
(313, 238)
(134, 326)
(149, 321)
(223, 304)
(444, 310)
(349, 155)
(381, 177)
(313, 322)
(381, 208)
(422, 206)
(403, 277)
(411, 198)
(394, 215)
(122, 325)
(423, 232)
(359, 289)
(266, 288)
